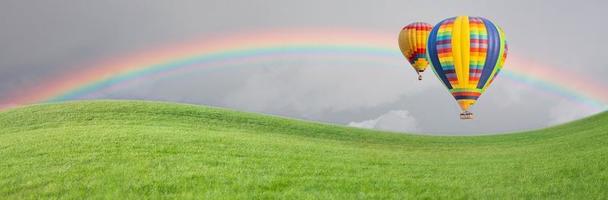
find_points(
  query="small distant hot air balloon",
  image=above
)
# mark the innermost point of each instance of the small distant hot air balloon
(467, 53)
(412, 42)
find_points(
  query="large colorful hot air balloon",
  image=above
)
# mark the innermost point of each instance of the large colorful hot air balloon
(412, 42)
(466, 54)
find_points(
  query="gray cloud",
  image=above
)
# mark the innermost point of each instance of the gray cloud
(317, 87)
(566, 111)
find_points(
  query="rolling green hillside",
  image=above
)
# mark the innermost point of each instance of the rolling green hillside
(128, 149)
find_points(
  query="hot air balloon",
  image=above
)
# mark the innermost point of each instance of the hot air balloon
(412, 42)
(467, 53)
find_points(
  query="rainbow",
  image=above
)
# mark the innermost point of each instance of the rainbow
(265, 46)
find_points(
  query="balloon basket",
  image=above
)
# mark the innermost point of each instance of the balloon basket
(466, 115)
(419, 77)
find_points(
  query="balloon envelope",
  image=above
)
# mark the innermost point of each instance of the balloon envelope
(412, 42)
(467, 53)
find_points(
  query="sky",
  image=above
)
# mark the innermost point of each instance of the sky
(40, 40)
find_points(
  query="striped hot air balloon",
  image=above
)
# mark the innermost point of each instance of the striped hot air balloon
(412, 42)
(467, 53)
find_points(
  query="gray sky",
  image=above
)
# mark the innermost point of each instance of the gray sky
(42, 39)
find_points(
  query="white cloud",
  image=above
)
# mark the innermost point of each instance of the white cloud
(395, 120)
(566, 111)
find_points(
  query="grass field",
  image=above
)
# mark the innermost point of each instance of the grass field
(129, 149)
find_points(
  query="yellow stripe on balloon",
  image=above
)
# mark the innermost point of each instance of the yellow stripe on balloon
(456, 53)
(465, 44)
(404, 43)
(416, 38)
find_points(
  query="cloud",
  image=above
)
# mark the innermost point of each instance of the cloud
(310, 88)
(512, 93)
(566, 111)
(395, 120)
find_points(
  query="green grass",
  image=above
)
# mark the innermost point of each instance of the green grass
(129, 149)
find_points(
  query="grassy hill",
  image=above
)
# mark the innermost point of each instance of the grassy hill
(128, 149)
